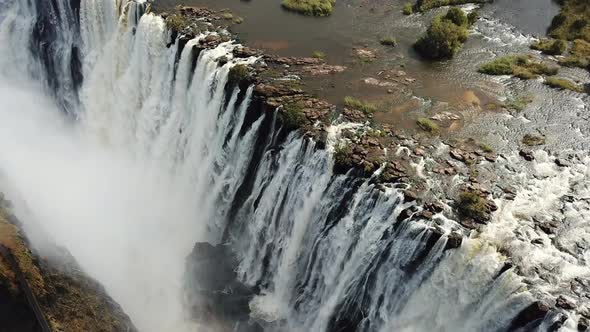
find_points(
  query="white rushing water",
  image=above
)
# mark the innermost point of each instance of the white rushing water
(157, 154)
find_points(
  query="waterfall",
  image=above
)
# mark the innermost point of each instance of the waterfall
(156, 151)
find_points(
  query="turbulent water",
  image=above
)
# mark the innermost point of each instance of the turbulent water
(127, 152)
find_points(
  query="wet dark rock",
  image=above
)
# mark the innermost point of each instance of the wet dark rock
(406, 213)
(454, 241)
(564, 303)
(531, 314)
(410, 196)
(583, 324)
(527, 155)
(212, 288)
(558, 323)
(507, 266)
(562, 162)
(435, 207)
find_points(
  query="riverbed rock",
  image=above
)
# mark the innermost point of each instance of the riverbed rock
(323, 69)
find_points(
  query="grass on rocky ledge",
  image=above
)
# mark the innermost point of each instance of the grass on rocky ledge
(573, 21)
(471, 205)
(292, 116)
(518, 104)
(521, 66)
(563, 84)
(550, 46)
(238, 73)
(360, 105)
(428, 125)
(310, 7)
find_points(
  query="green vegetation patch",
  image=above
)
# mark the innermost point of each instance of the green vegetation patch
(471, 205)
(521, 66)
(238, 73)
(292, 116)
(360, 105)
(550, 46)
(579, 55)
(572, 22)
(408, 9)
(388, 41)
(427, 125)
(563, 84)
(518, 104)
(445, 36)
(310, 7)
(318, 55)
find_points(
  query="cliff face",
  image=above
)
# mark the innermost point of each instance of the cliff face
(70, 300)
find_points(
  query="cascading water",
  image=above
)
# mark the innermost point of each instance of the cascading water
(162, 155)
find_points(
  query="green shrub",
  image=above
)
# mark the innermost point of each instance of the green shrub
(563, 84)
(521, 66)
(550, 47)
(238, 73)
(408, 9)
(310, 7)
(457, 16)
(427, 125)
(388, 41)
(444, 37)
(357, 104)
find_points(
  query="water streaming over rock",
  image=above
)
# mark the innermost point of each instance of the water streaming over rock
(205, 163)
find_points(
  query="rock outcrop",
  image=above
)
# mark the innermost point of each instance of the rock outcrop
(69, 300)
